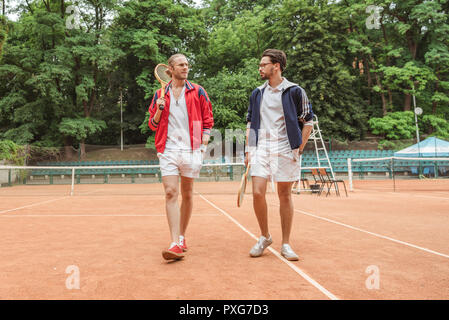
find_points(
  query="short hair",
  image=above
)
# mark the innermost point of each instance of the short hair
(276, 56)
(171, 61)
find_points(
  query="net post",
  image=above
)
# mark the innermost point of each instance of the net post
(392, 170)
(10, 177)
(435, 169)
(350, 175)
(73, 181)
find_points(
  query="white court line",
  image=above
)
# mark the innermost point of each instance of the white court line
(407, 194)
(374, 234)
(419, 196)
(98, 215)
(291, 265)
(41, 202)
(33, 204)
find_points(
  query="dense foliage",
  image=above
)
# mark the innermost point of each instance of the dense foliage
(64, 65)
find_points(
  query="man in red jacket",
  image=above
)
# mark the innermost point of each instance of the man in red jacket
(182, 121)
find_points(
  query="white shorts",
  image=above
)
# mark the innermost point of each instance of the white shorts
(186, 163)
(283, 167)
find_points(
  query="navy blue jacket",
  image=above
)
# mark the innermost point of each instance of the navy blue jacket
(296, 107)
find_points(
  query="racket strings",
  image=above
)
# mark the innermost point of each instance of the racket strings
(161, 73)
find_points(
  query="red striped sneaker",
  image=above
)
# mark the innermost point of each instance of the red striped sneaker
(173, 253)
(182, 243)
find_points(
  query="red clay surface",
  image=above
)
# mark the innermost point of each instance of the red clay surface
(114, 235)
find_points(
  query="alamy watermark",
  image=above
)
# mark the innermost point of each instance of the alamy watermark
(373, 21)
(73, 280)
(373, 281)
(73, 20)
(271, 145)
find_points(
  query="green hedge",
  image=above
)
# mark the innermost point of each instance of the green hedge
(11, 152)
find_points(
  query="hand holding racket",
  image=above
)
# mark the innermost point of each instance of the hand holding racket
(160, 103)
(242, 188)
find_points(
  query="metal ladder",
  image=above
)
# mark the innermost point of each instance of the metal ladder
(323, 161)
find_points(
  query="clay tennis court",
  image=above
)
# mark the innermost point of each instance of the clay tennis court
(114, 235)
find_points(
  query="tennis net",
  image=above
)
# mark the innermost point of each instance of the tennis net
(74, 176)
(400, 170)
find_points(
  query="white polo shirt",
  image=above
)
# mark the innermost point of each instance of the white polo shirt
(273, 131)
(178, 135)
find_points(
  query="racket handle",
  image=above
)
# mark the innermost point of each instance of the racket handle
(247, 170)
(163, 90)
(161, 106)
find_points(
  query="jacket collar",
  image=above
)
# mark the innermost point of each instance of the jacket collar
(285, 84)
(187, 83)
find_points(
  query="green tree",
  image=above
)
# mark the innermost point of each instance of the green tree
(80, 128)
(231, 42)
(149, 32)
(11, 152)
(311, 36)
(230, 91)
(53, 72)
(436, 126)
(395, 125)
(401, 125)
(3, 33)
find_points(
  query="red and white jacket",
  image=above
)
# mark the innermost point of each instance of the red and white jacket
(199, 110)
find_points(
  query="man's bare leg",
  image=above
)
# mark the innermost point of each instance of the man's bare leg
(171, 188)
(286, 209)
(259, 185)
(187, 203)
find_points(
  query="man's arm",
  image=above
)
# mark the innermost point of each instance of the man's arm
(306, 117)
(155, 110)
(248, 130)
(306, 131)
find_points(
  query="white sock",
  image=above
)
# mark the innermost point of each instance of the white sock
(181, 238)
(172, 245)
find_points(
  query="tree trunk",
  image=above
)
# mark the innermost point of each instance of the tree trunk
(368, 73)
(47, 5)
(407, 102)
(368, 78)
(62, 9)
(379, 84)
(412, 45)
(384, 31)
(68, 149)
(382, 95)
(29, 7)
(86, 109)
(83, 149)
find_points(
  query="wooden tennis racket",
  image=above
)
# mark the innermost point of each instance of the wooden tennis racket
(242, 188)
(162, 76)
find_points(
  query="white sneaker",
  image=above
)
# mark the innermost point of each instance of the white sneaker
(288, 253)
(260, 246)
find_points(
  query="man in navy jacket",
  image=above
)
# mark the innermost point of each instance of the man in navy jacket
(279, 125)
